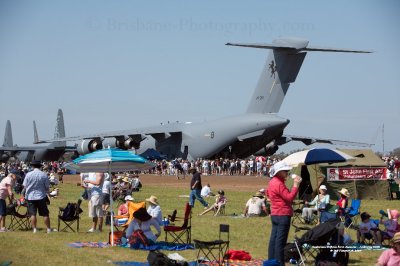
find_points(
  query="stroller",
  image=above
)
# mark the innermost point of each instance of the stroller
(321, 243)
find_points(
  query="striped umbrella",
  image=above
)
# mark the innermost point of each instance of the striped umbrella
(110, 160)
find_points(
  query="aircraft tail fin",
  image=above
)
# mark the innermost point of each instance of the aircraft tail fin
(59, 131)
(35, 133)
(8, 139)
(281, 68)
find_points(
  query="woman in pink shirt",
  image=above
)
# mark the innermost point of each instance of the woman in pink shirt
(6, 186)
(281, 209)
(391, 257)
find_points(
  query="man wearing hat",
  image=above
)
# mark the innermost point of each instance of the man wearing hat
(195, 187)
(255, 206)
(37, 184)
(391, 256)
(143, 221)
(154, 209)
(281, 209)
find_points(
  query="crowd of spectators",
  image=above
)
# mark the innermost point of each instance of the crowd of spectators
(252, 166)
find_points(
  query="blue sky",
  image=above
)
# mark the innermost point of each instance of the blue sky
(125, 64)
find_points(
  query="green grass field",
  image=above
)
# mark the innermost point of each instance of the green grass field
(249, 234)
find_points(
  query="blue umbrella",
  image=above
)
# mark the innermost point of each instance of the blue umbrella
(317, 155)
(110, 160)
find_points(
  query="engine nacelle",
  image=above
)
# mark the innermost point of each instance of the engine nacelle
(110, 143)
(119, 142)
(4, 157)
(89, 145)
(271, 148)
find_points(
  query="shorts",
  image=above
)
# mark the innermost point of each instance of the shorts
(106, 199)
(40, 206)
(3, 207)
(95, 206)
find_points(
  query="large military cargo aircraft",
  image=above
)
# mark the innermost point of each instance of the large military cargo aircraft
(259, 128)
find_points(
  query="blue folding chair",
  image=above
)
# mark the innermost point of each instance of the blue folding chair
(352, 214)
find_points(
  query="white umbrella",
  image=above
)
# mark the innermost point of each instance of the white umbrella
(110, 160)
(317, 155)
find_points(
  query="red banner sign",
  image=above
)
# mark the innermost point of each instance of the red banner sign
(356, 173)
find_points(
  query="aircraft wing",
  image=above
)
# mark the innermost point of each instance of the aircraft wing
(32, 149)
(310, 140)
(139, 133)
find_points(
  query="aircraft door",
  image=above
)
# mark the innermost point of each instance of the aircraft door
(185, 152)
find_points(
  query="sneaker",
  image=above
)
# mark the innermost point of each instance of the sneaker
(91, 230)
(3, 230)
(49, 230)
(34, 230)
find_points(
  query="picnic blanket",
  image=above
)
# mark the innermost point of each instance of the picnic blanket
(163, 246)
(253, 262)
(89, 245)
(135, 263)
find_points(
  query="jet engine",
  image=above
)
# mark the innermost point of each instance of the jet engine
(119, 142)
(4, 157)
(271, 148)
(89, 145)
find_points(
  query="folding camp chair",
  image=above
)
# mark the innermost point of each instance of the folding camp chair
(350, 218)
(369, 240)
(221, 210)
(180, 234)
(19, 217)
(213, 252)
(70, 215)
(386, 239)
(132, 207)
(297, 212)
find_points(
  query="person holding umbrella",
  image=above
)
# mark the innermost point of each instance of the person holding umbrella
(281, 209)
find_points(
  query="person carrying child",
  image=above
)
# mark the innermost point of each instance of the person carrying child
(368, 230)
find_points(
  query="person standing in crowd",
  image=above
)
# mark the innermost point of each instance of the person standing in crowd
(281, 209)
(106, 192)
(154, 209)
(36, 185)
(195, 187)
(6, 186)
(95, 184)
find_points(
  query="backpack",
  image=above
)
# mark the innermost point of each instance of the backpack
(69, 212)
(157, 258)
(137, 238)
(117, 237)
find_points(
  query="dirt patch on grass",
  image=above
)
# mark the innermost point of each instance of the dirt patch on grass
(228, 183)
